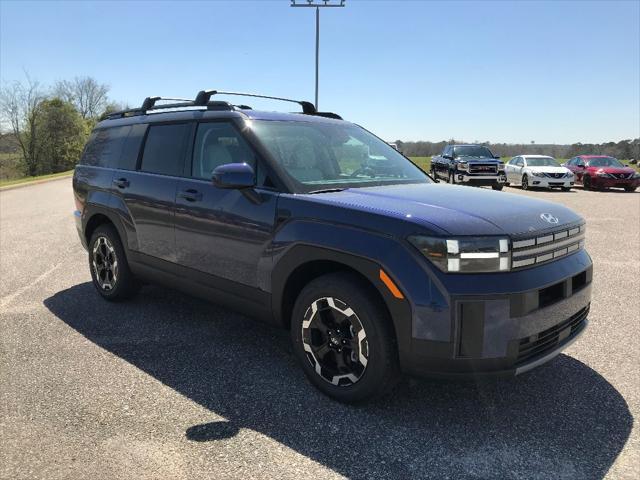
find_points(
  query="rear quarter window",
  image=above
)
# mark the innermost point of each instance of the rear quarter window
(105, 146)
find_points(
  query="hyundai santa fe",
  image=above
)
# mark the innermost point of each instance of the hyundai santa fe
(312, 223)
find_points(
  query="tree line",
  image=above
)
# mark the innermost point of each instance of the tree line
(624, 149)
(48, 127)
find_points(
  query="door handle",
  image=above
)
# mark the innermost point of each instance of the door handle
(191, 195)
(121, 183)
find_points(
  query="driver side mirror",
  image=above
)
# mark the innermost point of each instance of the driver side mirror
(580, 165)
(234, 175)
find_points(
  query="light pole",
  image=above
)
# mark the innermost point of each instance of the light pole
(317, 4)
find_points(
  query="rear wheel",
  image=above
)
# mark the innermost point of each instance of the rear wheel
(110, 271)
(343, 337)
(525, 182)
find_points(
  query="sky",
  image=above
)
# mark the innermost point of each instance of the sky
(543, 71)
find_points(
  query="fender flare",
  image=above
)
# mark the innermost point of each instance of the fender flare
(303, 254)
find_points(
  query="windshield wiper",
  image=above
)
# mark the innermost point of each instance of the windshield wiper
(326, 190)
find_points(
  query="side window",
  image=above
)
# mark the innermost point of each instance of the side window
(131, 147)
(165, 148)
(219, 143)
(104, 147)
(520, 162)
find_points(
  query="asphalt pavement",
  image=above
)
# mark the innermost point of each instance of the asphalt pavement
(166, 386)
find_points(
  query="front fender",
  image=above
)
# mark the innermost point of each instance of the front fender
(302, 241)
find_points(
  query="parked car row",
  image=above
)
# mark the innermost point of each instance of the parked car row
(477, 165)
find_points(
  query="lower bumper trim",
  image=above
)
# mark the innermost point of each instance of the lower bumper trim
(550, 355)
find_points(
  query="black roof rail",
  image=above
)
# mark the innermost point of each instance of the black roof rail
(204, 95)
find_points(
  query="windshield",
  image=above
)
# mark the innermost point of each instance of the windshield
(542, 162)
(320, 156)
(605, 162)
(472, 151)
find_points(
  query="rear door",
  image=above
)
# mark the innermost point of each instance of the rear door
(224, 232)
(147, 192)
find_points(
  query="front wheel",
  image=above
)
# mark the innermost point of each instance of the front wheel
(498, 186)
(586, 182)
(452, 177)
(110, 271)
(525, 182)
(630, 189)
(565, 189)
(344, 339)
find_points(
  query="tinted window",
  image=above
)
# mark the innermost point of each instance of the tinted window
(605, 162)
(104, 147)
(472, 151)
(319, 155)
(131, 147)
(542, 162)
(164, 149)
(217, 144)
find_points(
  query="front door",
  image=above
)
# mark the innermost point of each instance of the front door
(220, 232)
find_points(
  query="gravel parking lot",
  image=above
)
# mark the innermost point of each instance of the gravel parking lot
(171, 387)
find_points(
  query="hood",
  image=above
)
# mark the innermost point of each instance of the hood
(478, 159)
(549, 169)
(457, 210)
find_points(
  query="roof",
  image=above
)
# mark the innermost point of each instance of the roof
(535, 156)
(186, 114)
(594, 156)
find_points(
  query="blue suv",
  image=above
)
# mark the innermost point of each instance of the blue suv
(314, 224)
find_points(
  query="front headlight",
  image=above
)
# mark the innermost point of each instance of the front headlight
(537, 174)
(465, 254)
(636, 175)
(501, 166)
(603, 174)
(463, 166)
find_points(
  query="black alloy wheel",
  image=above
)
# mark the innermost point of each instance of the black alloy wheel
(335, 341)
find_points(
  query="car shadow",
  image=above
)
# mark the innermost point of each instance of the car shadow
(563, 420)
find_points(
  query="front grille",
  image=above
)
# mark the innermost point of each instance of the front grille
(547, 247)
(556, 175)
(550, 338)
(483, 168)
(621, 175)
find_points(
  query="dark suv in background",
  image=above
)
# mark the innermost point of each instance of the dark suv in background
(314, 224)
(469, 164)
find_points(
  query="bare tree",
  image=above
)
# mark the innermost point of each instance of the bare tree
(20, 104)
(88, 96)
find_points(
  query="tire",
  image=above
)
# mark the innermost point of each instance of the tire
(565, 189)
(498, 186)
(108, 265)
(366, 367)
(586, 182)
(630, 189)
(452, 178)
(525, 182)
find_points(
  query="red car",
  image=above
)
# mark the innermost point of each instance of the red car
(600, 172)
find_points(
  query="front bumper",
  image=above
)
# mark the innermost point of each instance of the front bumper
(546, 182)
(605, 182)
(503, 330)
